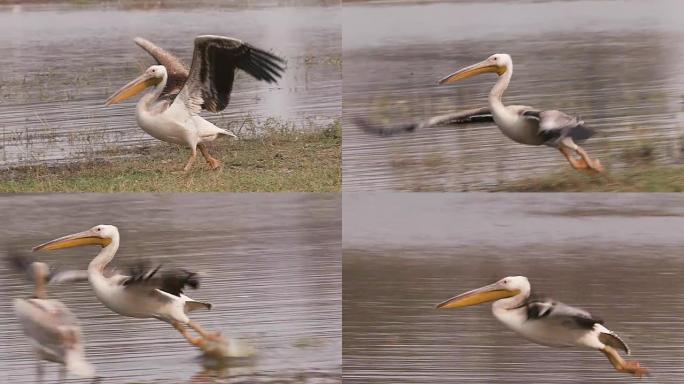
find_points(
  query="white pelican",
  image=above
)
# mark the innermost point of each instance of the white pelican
(149, 293)
(547, 322)
(170, 112)
(522, 124)
(51, 327)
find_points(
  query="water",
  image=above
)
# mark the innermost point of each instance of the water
(614, 63)
(59, 64)
(616, 255)
(273, 275)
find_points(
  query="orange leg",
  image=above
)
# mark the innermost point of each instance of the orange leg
(594, 164)
(202, 332)
(622, 365)
(191, 160)
(196, 341)
(213, 163)
(570, 156)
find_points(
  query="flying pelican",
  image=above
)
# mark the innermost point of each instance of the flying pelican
(545, 321)
(170, 112)
(522, 124)
(145, 293)
(51, 327)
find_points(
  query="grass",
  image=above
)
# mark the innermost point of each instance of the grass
(642, 178)
(281, 159)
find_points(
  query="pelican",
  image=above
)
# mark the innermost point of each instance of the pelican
(51, 327)
(170, 112)
(520, 123)
(145, 293)
(547, 322)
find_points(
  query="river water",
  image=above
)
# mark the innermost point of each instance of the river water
(614, 63)
(272, 271)
(615, 255)
(59, 64)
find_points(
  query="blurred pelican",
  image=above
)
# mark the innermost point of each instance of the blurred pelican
(145, 293)
(522, 124)
(547, 322)
(170, 112)
(51, 327)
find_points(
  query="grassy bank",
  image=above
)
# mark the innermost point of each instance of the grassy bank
(644, 178)
(279, 160)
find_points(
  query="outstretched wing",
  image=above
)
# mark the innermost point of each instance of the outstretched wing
(567, 316)
(176, 70)
(25, 263)
(172, 281)
(212, 72)
(476, 115)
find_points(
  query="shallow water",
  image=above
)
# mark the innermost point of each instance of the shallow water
(58, 65)
(272, 272)
(614, 63)
(618, 256)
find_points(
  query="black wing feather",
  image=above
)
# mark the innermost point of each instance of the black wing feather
(476, 115)
(540, 307)
(171, 281)
(218, 58)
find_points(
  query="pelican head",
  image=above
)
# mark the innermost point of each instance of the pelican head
(101, 235)
(504, 288)
(498, 63)
(150, 78)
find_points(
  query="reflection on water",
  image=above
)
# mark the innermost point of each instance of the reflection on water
(392, 333)
(272, 272)
(614, 69)
(59, 65)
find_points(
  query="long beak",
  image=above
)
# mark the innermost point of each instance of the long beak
(133, 88)
(88, 237)
(476, 69)
(478, 296)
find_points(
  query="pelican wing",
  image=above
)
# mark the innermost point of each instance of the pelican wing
(23, 262)
(568, 316)
(176, 70)
(212, 72)
(555, 125)
(68, 276)
(171, 281)
(476, 115)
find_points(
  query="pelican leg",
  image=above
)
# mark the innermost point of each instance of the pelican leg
(62, 374)
(191, 160)
(622, 365)
(570, 156)
(594, 164)
(213, 163)
(196, 341)
(202, 332)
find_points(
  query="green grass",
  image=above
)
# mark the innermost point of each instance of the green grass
(643, 178)
(279, 160)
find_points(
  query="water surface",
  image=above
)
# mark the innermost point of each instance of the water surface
(59, 64)
(614, 63)
(272, 273)
(616, 255)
